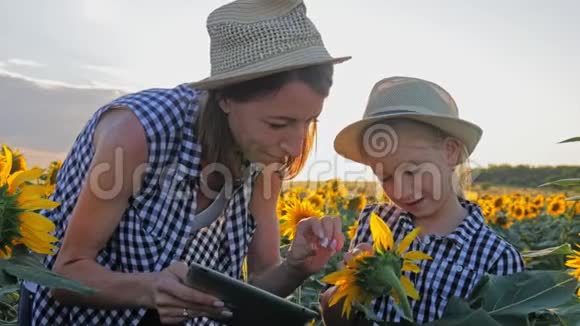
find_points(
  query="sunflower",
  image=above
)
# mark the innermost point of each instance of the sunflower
(301, 192)
(316, 199)
(370, 275)
(574, 262)
(18, 161)
(556, 207)
(517, 212)
(352, 230)
(19, 224)
(577, 208)
(532, 211)
(538, 201)
(52, 172)
(488, 212)
(357, 203)
(498, 203)
(296, 210)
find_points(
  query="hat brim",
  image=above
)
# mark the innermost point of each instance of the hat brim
(289, 61)
(348, 142)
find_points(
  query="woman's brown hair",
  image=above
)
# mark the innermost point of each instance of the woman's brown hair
(212, 126)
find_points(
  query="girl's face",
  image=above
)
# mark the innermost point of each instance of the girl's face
(418, 174)
(272, 128)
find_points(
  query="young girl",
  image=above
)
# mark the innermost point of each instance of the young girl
(424, 143)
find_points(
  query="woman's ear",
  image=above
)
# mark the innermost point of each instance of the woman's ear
(225, 105)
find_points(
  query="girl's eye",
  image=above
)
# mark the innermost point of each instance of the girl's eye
(276, 125)
(386, 179)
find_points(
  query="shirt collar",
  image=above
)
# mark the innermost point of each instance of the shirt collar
(464, 232)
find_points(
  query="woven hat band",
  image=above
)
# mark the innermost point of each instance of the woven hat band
(235, 45)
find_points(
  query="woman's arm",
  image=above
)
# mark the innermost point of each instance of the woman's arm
(115, 174)
(118, 138)
(265, 267)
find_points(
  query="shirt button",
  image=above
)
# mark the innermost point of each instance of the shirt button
(426, 240)
(458, 268)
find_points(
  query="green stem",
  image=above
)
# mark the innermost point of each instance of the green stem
(398, 287)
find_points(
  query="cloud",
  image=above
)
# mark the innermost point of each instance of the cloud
(109, 70)
(24, 62)
(45, 116)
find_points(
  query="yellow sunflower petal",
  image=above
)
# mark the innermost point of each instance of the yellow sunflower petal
(31, 192)
(404, 245)
(334, 277)
(6, 167)
(36, 222)
(341, 292)
(410, 267)
(416, 255)
(38, 204)
(409, 288)
(37, 246)
(353, 293)
(18, 178)
(382, 235)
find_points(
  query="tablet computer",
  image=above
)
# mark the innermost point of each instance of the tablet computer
(250, 305)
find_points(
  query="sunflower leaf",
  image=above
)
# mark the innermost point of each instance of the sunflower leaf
(570, 140)
(563, 182)
(9, 289)
(5, 278)
(512, 298)
(567, 314)
(564, 249)
(27, 268)
(459, 313)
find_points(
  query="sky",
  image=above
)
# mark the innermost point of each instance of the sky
(512, 67)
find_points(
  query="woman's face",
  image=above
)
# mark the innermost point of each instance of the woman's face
(272, 128)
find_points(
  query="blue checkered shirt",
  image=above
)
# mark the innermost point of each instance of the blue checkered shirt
(460, 259)
(156, 229)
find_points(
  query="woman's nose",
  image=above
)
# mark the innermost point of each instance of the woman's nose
(292, 144)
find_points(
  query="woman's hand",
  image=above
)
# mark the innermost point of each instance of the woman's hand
(315, 242)
(177, 302)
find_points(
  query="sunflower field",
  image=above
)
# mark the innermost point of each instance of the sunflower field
(543, 224)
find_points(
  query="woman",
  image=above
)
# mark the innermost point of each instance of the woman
(165, 177)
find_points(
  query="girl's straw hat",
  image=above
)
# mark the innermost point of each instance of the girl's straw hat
(410, 98)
